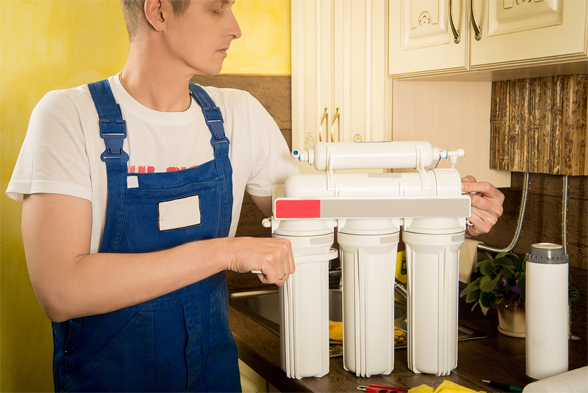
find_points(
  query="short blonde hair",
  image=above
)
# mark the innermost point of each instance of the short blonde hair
(133, 12)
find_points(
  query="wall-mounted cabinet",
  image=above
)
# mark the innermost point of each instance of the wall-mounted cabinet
(430, 37)
(341, 91)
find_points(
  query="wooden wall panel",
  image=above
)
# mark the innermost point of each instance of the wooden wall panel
(574, 124)
(538, 125)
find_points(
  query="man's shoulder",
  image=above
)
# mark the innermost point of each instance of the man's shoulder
(70, 96)
(62, 102)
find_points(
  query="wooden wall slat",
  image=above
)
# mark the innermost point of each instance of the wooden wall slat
(539, 125)
(500, 126)
(514, 97)
(525, 124)
(534, 125)
(545, 123)
(506, 105)
(577, 122)
(494, 125)
(504, 155)
(567, 129)
(556, 108)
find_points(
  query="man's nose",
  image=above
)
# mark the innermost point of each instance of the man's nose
(234, 28)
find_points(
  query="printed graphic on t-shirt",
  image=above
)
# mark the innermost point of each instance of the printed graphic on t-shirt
(151, 169)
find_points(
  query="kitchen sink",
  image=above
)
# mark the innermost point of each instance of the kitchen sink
(266, 305)
(263, 306)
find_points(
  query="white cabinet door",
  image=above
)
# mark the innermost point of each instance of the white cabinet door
(522, 32)
(512, 34)
(341, 91)
(422, 38)
(312, 64)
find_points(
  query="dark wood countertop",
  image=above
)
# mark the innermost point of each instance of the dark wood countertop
(497, 358)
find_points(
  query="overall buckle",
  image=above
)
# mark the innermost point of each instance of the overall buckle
(114, 133)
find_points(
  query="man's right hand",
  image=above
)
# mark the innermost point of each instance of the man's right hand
(271, 256)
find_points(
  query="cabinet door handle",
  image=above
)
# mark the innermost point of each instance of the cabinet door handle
(474, 22)
(325, 117)
(456, 35)
(336, 118)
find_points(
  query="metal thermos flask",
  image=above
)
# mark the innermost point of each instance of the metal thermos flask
(546, 305)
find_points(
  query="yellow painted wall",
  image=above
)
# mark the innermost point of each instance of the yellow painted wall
(264, 48)
(55, 44)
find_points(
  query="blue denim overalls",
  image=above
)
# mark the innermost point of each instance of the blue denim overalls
(177, 342)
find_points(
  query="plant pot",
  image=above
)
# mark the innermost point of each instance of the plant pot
(511, 319)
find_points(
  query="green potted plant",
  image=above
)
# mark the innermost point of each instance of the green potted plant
(502, 284)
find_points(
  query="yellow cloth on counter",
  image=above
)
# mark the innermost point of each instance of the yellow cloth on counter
(335, 332)
(445, 387)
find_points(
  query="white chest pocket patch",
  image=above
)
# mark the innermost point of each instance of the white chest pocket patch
(179, 213)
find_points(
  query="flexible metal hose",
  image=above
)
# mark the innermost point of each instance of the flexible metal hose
(564, 215)
(520, 220)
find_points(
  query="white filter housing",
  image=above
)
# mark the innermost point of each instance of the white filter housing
(432, 256)
(368, 259)
(304, 299)
(546, 311)
(369, 155)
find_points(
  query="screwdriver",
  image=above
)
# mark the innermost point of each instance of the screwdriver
(380, 389)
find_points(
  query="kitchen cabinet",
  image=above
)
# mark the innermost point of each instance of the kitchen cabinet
(432, 37)
(341, 91)
(340, 62)
(421, 38)
(252, 382)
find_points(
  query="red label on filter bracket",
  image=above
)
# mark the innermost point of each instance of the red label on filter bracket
(303, 208)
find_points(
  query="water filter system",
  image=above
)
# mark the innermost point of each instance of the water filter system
(368, 211)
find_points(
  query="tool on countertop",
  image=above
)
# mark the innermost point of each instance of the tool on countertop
(380, 389)
(503, 387)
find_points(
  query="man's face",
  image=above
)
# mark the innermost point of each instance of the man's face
(201, 36)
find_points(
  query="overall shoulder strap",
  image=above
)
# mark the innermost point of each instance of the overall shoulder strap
(113, 128)
(213, 117)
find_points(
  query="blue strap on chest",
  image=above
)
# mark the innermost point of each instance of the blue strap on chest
(113, 128)
(213, 118)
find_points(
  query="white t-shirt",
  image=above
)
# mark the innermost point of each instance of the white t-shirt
(62, 147)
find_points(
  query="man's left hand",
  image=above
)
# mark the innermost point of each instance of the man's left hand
(486, 205)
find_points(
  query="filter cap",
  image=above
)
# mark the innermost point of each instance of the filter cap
(547, 253)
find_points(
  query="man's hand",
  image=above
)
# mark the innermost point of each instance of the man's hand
(271, 256)
(486, 205)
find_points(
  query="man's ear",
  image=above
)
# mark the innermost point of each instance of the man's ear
(154, 12)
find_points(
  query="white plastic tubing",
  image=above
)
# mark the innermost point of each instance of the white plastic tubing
(370, 155)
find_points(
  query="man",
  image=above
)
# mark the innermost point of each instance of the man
(131, 191)
(130, 265)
